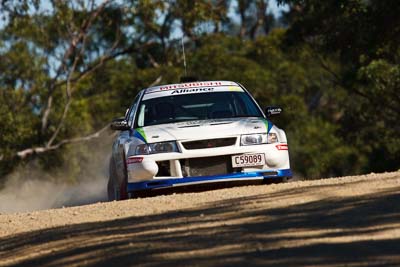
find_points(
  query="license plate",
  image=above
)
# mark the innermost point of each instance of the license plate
(248, 160)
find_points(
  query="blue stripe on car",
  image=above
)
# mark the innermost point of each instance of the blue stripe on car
(164, 183)
(139, 136)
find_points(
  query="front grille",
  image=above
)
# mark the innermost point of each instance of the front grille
(164, 168)
(206, 166)
(210, 143)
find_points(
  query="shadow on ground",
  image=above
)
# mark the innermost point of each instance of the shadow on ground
(242, 232)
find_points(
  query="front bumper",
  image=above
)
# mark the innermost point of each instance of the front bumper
(189, 181)
(147, 169)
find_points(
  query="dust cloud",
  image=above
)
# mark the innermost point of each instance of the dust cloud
(29, 188)
(29, 195)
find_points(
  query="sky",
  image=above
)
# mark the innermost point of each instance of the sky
(276, 10)
(273, 6)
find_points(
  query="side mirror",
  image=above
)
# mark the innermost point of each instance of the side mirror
(119, 124)
(272, 111)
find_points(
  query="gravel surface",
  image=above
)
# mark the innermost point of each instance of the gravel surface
(347, 221)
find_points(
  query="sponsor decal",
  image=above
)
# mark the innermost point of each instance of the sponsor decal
(194, 90)
(235, 89)
(132, 160)
(189, 85)
(155, 92)
(282, 147)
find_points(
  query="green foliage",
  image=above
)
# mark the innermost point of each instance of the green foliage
(67, 68)
(366, 36)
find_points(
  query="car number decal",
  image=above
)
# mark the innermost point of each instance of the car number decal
(248, 160)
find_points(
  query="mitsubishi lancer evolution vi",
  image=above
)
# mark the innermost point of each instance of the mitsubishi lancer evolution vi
(194, 134)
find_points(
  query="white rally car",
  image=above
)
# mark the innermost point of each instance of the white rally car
(195, 133)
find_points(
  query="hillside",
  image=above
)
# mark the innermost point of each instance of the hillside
(352, 221)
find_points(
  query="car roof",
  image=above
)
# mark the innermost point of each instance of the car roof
(191, 87)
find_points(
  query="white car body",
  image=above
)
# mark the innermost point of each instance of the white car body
(187, 150)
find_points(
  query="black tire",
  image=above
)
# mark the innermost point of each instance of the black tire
(123, 192)
(112, 181)
(110, 193)
(116, 190)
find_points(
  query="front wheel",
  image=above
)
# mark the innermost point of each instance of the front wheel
(116, 190)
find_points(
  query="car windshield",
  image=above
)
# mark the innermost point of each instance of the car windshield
(216, 105)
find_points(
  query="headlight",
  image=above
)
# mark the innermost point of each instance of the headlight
(154, 148)
(253, 139)
(258, 139)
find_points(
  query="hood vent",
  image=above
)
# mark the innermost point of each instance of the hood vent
(189, 126)
(210, 143)
(221, 123)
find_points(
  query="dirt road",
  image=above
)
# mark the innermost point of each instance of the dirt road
(349, 221)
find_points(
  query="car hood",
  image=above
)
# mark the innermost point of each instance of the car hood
(205, 129)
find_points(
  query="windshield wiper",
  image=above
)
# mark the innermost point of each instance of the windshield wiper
(247, 116)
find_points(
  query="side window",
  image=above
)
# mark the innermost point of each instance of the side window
(142, 113)
(132, 111)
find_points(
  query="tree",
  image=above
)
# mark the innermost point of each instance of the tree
(51, 50)
(365, 35)
(68, 67)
